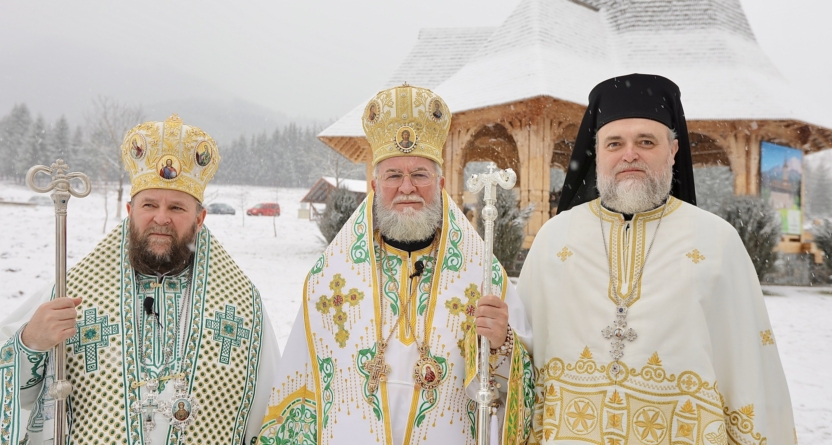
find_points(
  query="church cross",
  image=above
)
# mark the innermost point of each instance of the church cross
(147, 407)
(564, 254)
(339, 301)
(695, 256)
(93, 333)
(619, 332)
(377, 369)
(228, 330)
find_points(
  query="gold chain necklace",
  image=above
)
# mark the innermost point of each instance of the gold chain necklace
(426, 372)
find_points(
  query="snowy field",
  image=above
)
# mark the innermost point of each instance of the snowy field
(278, 265)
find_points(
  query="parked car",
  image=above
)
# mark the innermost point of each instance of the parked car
(264, 209)
(220, 208)
(41, 200)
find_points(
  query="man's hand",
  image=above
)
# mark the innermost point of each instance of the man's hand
(52, 323)
(492, 319)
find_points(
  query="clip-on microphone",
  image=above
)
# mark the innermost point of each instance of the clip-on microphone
(420, 267)
(148, 308)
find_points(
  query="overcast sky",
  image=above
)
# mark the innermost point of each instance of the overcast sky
(312, 58)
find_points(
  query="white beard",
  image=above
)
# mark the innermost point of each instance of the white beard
(409, 225)
(634, 195)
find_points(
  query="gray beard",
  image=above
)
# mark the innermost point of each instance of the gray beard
(633, 196)
(409, 225)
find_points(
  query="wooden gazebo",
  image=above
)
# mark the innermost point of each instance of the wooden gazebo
(518, 91)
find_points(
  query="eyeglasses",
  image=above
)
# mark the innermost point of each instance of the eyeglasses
(419, 178)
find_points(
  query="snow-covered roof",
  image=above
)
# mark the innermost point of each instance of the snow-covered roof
(563, 48)
(320, 190)
(438, 54)
(353, 185)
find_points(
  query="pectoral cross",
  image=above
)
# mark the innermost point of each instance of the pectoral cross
(377, 369)
(619, 332)
(147, 408)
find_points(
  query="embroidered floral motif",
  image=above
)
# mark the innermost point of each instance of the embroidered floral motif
(650, 425)
(581, 416)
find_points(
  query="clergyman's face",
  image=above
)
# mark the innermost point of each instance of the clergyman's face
(634, 157)
(163, 224)
(406, 195)
(407, 212)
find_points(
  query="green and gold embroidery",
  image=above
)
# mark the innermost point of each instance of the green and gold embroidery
(293, 422)
(364, 356)
(390, 283)
(453, 255)
(359, 252)
(327, 371)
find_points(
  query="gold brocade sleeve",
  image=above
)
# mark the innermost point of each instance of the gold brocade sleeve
(516, 411)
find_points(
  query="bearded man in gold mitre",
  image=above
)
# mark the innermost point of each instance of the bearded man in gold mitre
(384, 347)
(166, 337)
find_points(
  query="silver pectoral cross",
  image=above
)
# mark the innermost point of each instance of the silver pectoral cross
(147, 407)
(618, 333)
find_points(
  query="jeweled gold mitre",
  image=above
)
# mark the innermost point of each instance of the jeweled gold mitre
(170, 155)
(406, 121)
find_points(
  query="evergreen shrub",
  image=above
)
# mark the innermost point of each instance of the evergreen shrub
(508, 228)
(758, 226)
(340, 205)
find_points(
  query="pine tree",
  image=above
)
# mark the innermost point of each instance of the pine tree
(77, 151)
(16, 134)
(33, 151)
(57, 143)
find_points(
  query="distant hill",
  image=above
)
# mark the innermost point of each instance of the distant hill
(61, 78)
(224, 120)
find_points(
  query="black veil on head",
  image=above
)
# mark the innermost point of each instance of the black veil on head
(645, 96)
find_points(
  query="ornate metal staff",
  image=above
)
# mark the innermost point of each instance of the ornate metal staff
(61, 192)
(488, 181)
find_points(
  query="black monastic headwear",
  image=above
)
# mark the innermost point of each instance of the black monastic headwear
(644, 96)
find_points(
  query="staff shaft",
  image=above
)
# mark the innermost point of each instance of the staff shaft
(486, 394)
(61, 192)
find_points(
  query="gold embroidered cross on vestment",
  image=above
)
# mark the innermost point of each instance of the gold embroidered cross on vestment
(695, 256)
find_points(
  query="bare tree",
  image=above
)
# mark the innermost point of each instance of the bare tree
(336, 165)
(276, 214)
(108, 121)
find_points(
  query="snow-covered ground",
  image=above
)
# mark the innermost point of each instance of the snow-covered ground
(278, 265)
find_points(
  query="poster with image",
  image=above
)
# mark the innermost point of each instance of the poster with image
(781, 174)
